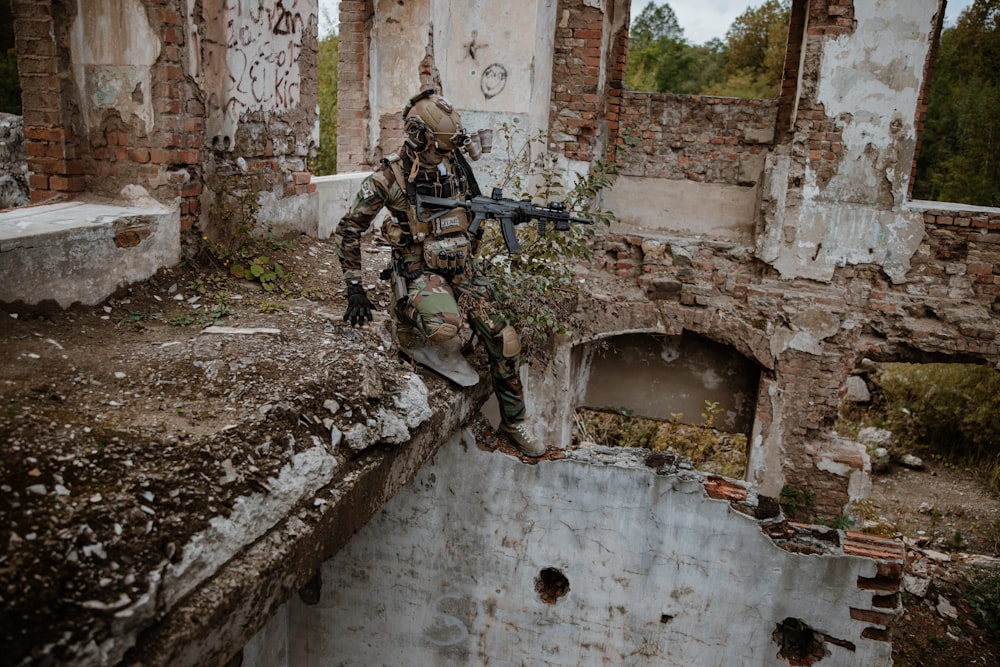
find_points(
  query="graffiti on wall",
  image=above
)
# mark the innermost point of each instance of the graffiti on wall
(250, 54)
(493, 80)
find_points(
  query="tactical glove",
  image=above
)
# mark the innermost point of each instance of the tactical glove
(358, 305)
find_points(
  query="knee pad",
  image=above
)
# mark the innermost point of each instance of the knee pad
(510, 342)
(442, 332)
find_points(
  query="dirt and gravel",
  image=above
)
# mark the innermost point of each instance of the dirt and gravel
(128, 426)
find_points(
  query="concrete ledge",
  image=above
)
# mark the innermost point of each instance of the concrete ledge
(335, 195)
(80, 252)
(226, 607)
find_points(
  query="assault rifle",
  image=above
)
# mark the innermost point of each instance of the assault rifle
(508, 211)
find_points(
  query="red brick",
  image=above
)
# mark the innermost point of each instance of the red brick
(63, 184)
(140, 155)
(872, 616)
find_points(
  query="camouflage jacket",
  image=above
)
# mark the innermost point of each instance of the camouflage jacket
(383, 188)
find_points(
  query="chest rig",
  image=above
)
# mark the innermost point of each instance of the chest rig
(437, 242)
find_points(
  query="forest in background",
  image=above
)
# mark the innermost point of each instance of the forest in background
(959, 153)
(959, 158)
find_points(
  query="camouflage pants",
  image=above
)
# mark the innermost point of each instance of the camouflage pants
(433, 302)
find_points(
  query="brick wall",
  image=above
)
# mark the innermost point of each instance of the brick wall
(691, 137)
(925, 91)
(170, 160)
(353, 110)
(54, 165)
(714, 291)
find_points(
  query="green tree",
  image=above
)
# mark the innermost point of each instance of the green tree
(325, 161)
(755, 55)
(959, 158)
(660, 59)
(748, 64)
(655, 23)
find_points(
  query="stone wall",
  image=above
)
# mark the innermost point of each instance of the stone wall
(13, 162)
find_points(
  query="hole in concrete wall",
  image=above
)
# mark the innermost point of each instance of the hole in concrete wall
(551, 584)
(739, 52)
(685, 394)
(312, 591)
(799, 644)
(665, 618)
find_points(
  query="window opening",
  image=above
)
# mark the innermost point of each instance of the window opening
(10, 82)
(958, 155)
(325, 160)
(931, 431)
(683, 395)
(683, 47)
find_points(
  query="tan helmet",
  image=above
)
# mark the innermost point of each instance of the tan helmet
(431, 121)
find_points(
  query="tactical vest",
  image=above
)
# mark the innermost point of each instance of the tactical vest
(439, 239)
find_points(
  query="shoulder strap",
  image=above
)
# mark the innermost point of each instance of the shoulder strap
(466, 169)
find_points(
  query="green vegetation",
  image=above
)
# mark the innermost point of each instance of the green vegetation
(793, 500)
(325, 161)
(959, 158)
(709, 449)
(234, 247)
(949, 412)
(536, 287)
(262, 269)
(748, 64)
(984, 596)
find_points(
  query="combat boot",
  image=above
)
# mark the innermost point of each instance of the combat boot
(517, 432)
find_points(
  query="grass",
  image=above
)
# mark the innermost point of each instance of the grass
(947, 412)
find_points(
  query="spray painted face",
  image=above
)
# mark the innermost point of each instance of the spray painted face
(493, 80)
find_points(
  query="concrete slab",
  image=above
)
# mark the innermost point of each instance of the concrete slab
(336, 193)
(81, 252)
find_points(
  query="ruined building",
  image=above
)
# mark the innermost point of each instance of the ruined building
(771, 245)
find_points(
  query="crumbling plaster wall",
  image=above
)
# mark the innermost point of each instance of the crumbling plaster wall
(654, 559)
(543, 74)
(173, 97)
(838, 199)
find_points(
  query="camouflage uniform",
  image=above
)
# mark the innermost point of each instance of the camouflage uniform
(437, 303)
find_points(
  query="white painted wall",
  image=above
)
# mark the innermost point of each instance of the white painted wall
(112, 50)
(658, 574)
(247, 59)
(870, 81)
(494, 58)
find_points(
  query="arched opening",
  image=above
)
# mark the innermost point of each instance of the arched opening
(682, 393)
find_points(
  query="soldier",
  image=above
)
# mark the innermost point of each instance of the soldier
(440, 287)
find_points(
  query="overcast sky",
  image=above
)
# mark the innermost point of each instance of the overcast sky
(701, 19)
